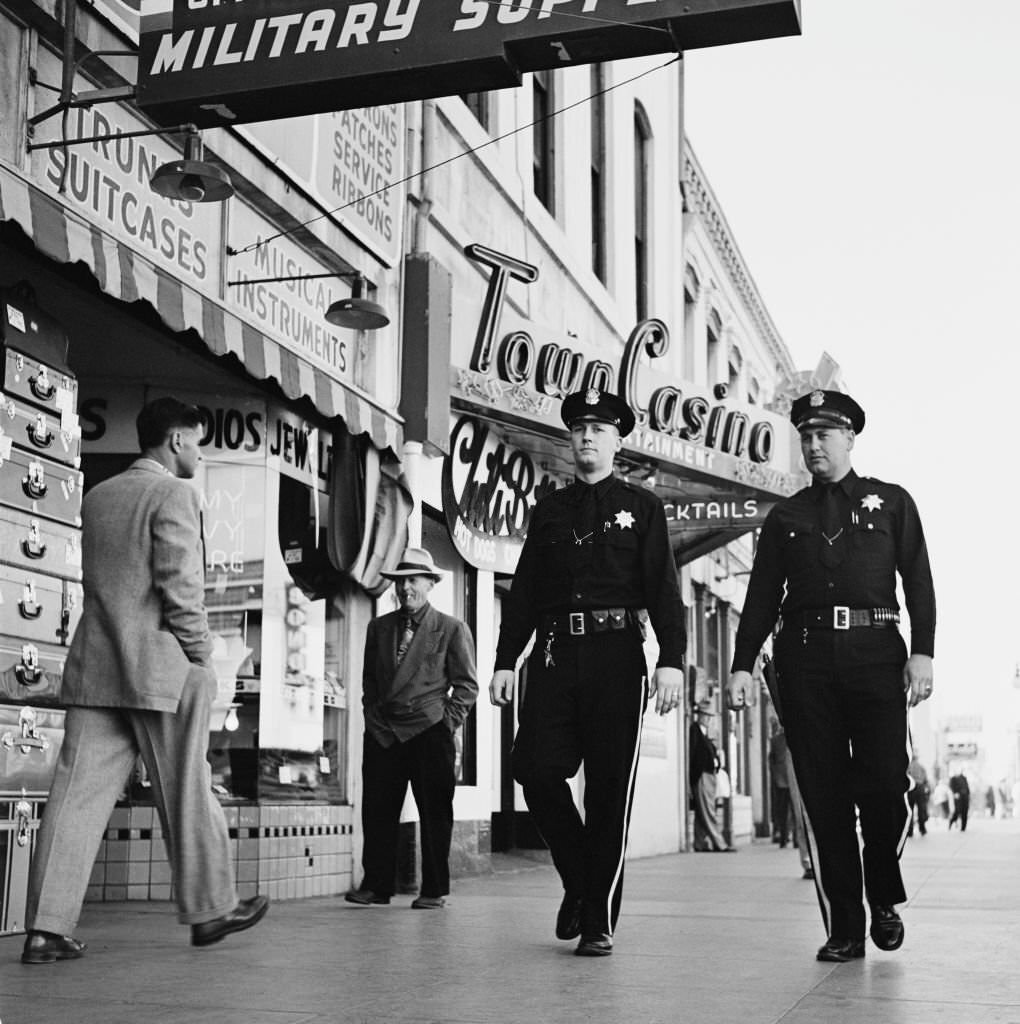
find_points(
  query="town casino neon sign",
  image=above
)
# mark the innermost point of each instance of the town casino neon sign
(554, 371)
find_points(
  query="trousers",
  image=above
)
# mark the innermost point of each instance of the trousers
(98, 753)
(584, 708)
(845, 715)
(426, 761)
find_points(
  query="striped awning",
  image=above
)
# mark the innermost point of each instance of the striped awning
(65, 237)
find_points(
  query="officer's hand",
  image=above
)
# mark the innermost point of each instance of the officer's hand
(740, 690)
(501, 689)
(667, 686)
(918, 678)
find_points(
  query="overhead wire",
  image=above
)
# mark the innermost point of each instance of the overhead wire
(252, 246)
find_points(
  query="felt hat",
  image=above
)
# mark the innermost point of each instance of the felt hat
(414, 562)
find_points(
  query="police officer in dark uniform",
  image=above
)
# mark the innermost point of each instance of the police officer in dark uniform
(596, 554)
(826, 563)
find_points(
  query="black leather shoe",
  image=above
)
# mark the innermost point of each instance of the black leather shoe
(598, 944)
(427, 903)
(365, 897)
(839, 951)
(886, 928)
(246, 914)
(47, 948)
(568, 917)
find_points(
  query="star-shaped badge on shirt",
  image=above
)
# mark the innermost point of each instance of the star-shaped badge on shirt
(871, 502)
(624, 519)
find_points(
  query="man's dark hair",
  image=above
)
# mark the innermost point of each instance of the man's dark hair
(160, 417)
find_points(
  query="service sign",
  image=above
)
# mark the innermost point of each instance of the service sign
(223, 62)
(346, 160)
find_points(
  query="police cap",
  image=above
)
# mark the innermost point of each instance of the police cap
(601, 406)
(827, 409)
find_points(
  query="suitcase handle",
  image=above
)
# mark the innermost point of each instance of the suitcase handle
(41, 386)
(34, 484)
(29, 671)
(32, 546)
(38, 433)
(29, 607)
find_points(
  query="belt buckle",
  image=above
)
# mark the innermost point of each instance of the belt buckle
(576, 620)
(840, 616)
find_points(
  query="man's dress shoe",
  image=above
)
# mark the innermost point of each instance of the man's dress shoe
(427, 903)
(839, 951)
(886, 928)
(365, 897)
(597, 944)
(244, 915)
(47, 948)
(568, 918)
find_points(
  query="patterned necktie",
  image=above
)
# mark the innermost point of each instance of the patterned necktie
(406, 636)
(832, 529)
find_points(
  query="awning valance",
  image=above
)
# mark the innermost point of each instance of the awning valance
(64, 236)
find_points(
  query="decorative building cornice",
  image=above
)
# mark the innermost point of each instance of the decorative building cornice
(701, 201)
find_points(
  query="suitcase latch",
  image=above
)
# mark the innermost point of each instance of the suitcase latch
(23, 816)
(29, 738)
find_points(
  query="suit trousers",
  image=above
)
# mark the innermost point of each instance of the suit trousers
(845, 714)
(98, 753)
(585, 707)
(427, 762)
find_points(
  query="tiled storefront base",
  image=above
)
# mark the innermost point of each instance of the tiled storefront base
(285, 852)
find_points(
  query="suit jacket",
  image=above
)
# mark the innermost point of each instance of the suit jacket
(435, 682)
(143, 626)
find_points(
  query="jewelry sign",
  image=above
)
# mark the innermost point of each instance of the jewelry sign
(489, 491)
(218, 62)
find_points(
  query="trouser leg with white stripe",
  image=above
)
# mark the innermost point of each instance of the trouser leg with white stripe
(846, 725)
(586, 707)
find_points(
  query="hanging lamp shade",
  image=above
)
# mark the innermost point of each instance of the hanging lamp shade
(357, 313)
(192, 179)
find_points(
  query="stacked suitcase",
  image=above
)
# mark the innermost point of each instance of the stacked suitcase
(40, 573)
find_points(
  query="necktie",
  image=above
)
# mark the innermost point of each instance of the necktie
(832, 528)
(406, 636)
(584, 517)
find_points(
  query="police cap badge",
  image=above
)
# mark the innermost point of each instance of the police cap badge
(600, 406)
(827, 409)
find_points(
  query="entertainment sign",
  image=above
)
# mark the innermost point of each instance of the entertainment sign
(218, 62)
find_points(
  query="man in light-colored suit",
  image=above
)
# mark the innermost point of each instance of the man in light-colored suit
(419, 685)
(138, 681)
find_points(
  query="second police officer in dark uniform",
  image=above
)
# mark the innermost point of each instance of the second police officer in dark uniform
(827, 562)
(596, 554)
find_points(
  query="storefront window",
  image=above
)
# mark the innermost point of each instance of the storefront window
(233, 500)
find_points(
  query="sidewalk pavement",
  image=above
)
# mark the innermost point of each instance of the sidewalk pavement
(703, 938)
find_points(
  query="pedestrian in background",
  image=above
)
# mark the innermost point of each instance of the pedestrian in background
(704, 765)
(419, 684)
(827, 561)
(780, 786)
(942, 797)
(596, 554)
(960, 788)
(138, 682)
(918, 795)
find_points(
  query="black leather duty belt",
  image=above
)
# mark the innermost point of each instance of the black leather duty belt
(587, 623)
(842, 617)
